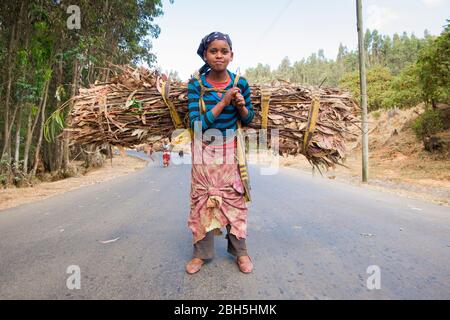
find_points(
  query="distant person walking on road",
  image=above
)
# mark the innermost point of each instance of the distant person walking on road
(166, 156)
(149, 150)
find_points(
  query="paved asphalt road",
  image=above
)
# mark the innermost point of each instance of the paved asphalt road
(310, 238)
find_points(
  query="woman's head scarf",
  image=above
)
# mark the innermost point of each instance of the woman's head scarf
(205, 43)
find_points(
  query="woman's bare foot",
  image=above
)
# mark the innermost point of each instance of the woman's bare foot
(194, 265)
(245, 264)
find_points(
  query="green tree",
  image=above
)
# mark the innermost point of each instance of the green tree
(428, 123)
(378, 82)
(260, 74)
(434, 68)
(403, 70)
(405, 90)
(43, 64)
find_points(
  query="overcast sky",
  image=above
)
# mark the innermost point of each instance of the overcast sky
(267, 30)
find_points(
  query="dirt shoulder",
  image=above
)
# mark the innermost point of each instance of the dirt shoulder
(121, 165)
(382, 178)
(398, 162)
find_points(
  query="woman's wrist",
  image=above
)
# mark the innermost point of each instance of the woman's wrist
(218, 108)
(243, 111)
(240, 108)
(222, 104)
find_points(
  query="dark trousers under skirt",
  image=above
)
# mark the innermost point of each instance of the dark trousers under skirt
(204, 249)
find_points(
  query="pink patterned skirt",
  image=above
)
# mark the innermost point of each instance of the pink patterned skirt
(217, 192)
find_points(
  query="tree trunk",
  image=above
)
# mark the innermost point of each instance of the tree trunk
(11, 121)
(17, 143)
(31, 128)
(6, 138)
(41, 131)
(10, 64)
(66, 136)
(51, 155)
(62, 159)
(27, 143)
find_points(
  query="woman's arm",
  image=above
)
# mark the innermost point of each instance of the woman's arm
(240, 106)
(209, 117)
(226, 100)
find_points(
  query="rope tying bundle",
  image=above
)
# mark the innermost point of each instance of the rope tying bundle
(312, 120)
(164, 90)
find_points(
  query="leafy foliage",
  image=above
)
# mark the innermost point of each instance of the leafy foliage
(402, 70)
(434, 68)
(428, 123)
(394, 53)
(378, 82)
(404, 90)
(43, 63)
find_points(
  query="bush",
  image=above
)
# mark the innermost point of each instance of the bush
(428, 123)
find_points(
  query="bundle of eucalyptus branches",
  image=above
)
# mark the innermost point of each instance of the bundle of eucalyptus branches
(130, 109)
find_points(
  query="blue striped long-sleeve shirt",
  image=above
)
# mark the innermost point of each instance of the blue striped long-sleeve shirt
(229, 116)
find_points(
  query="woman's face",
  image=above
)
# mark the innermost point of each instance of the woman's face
(218, 55)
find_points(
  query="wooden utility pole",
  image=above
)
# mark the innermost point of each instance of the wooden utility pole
(363, 90)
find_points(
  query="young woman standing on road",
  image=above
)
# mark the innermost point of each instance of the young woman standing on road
(220, 100)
